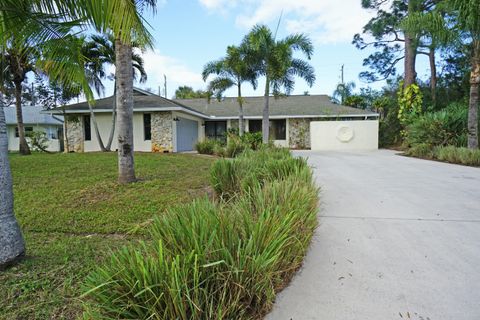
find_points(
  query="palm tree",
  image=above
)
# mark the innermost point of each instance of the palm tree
(343, 91)
(100, 50)
(469, 22)
(274, 59)
(17, 61)
(231, 71)
(12, 245)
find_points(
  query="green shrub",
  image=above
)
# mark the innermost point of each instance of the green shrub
(222, 260)
(441, 128)
(206, 146)
(422, 150)
(235, 146)
(453, 154)
(253, 140)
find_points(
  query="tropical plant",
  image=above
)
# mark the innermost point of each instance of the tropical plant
(16, 62)
(231, 71)
(186, 92)
(343, 91)
(100, 51)
(274, 60)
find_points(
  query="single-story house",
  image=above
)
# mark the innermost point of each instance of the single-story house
(164, 125)
(34, 119)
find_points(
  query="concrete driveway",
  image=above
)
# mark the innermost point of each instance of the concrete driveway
(399, 238)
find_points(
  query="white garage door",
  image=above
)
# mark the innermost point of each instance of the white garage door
(344, 135)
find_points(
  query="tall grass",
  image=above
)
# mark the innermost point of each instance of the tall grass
(450, 154)
(216, 260)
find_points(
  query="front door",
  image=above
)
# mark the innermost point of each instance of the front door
(187, 134)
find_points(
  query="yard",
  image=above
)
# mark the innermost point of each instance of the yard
(72, 211)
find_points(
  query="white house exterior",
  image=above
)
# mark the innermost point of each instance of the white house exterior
(34, 120)
(163, 125)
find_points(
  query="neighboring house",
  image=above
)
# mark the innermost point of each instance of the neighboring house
(163, 125)
(34, 120)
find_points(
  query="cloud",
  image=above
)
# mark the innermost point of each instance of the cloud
(326, 21)
(177, 72)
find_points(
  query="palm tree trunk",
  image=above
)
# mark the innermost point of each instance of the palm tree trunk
(124, 98)
(433, 75)
(410, 50)
(66, 148)
(265, 119)
(23, 148)
(12, 245)
(114, 117)
(95, 126)
(473, 102)
(241, 126)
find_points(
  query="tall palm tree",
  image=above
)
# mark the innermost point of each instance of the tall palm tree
(100, 50)
(469, 21)
(12, 245)
(274, 59)
(232, 70)
(17, 62)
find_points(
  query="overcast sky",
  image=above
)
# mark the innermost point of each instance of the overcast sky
(189, 33)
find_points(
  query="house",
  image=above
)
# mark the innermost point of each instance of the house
(164, 125)
(34, 120)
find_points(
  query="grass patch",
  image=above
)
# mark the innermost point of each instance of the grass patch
(450, 154)
(222, 259)
(72, 212)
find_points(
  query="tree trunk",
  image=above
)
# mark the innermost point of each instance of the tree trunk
(410, 50)
(23, 148)
(266, 113)
(66, 148)
(12, 245)
(124, 98)
(95, 126)
(473, 103)
(433, 75)
(241, 126)
(114, 117)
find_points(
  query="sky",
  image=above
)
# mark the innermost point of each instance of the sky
(189, 33)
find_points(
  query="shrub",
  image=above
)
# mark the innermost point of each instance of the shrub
(215, 260)
(235, 146)
(252, 139)
(422, 150)
(441, 128)
(38, 140)
(206, 146)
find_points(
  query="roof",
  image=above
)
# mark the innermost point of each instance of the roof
(31, 115)
(297, 106)
(142, 101)
(288, 106)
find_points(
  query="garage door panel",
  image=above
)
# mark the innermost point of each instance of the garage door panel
(187, 134)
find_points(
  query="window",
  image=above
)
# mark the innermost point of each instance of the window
(278, 129)
(216, 130)
(254, 126)
(27, 130)
(147, 126)
(87, 130)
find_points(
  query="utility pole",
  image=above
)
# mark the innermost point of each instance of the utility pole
(341, 70)
(165, 85)
(342, 84)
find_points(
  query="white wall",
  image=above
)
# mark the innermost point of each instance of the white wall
(104, 121)
(344, 135)
(14, 142)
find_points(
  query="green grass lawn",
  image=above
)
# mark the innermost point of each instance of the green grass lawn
(72, 212)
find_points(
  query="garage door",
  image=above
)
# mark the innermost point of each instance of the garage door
(187, 134)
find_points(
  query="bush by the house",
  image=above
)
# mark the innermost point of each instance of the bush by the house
(441, 128)
(216, 260)
(206, 146)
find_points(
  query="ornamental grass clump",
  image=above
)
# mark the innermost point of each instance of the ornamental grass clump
(215, 260)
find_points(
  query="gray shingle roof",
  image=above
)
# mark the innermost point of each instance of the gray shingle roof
(31, 115)
(290, 106)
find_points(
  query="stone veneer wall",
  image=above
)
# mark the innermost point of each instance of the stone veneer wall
(162, 132)
(74, 125)
(299, 132)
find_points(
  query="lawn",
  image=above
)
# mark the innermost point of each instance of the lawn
(72, 212)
